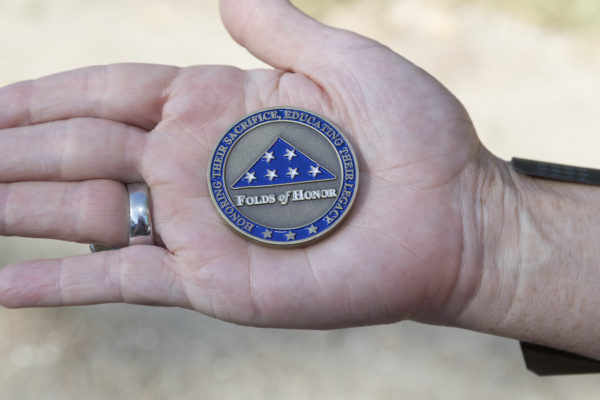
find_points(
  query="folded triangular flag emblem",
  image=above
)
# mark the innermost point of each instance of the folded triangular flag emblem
(282, 164)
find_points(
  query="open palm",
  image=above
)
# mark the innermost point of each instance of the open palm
(408, 249)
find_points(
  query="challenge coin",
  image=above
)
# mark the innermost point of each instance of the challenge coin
(283, 176)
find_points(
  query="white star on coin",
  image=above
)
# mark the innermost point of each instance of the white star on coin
(290, 154)
(271, 174)
(290, 235)
(312, 229)
(267, 234)
(268, 156)
(292, 172)
(250, 177)
(314, 171)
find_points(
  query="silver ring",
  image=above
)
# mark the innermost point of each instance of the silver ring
(140, 220)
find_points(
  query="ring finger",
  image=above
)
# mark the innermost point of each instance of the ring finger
(93, 211)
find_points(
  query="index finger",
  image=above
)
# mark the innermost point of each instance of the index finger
(128, 93)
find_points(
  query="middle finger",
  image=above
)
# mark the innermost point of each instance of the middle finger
(71, 150)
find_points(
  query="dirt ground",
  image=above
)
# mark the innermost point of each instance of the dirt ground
(532, 92)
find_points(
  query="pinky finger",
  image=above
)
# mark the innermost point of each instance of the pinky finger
(136, 275)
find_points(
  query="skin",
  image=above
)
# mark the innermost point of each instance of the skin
(437, 234)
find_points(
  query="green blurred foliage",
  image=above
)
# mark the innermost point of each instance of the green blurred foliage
(317, 8)
(563, 14)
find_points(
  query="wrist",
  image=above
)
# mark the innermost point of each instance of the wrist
(495, 226)
(539, 276)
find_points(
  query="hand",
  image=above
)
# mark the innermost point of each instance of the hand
(410, 247)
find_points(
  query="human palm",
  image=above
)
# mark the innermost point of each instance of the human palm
(406, 249)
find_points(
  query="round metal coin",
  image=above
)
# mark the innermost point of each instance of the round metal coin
(283, 176)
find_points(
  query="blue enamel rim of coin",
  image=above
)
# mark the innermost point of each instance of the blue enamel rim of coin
(296, 235)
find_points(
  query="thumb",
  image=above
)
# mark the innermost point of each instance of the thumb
(282, 36)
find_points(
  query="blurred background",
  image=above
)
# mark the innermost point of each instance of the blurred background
(527, 70)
